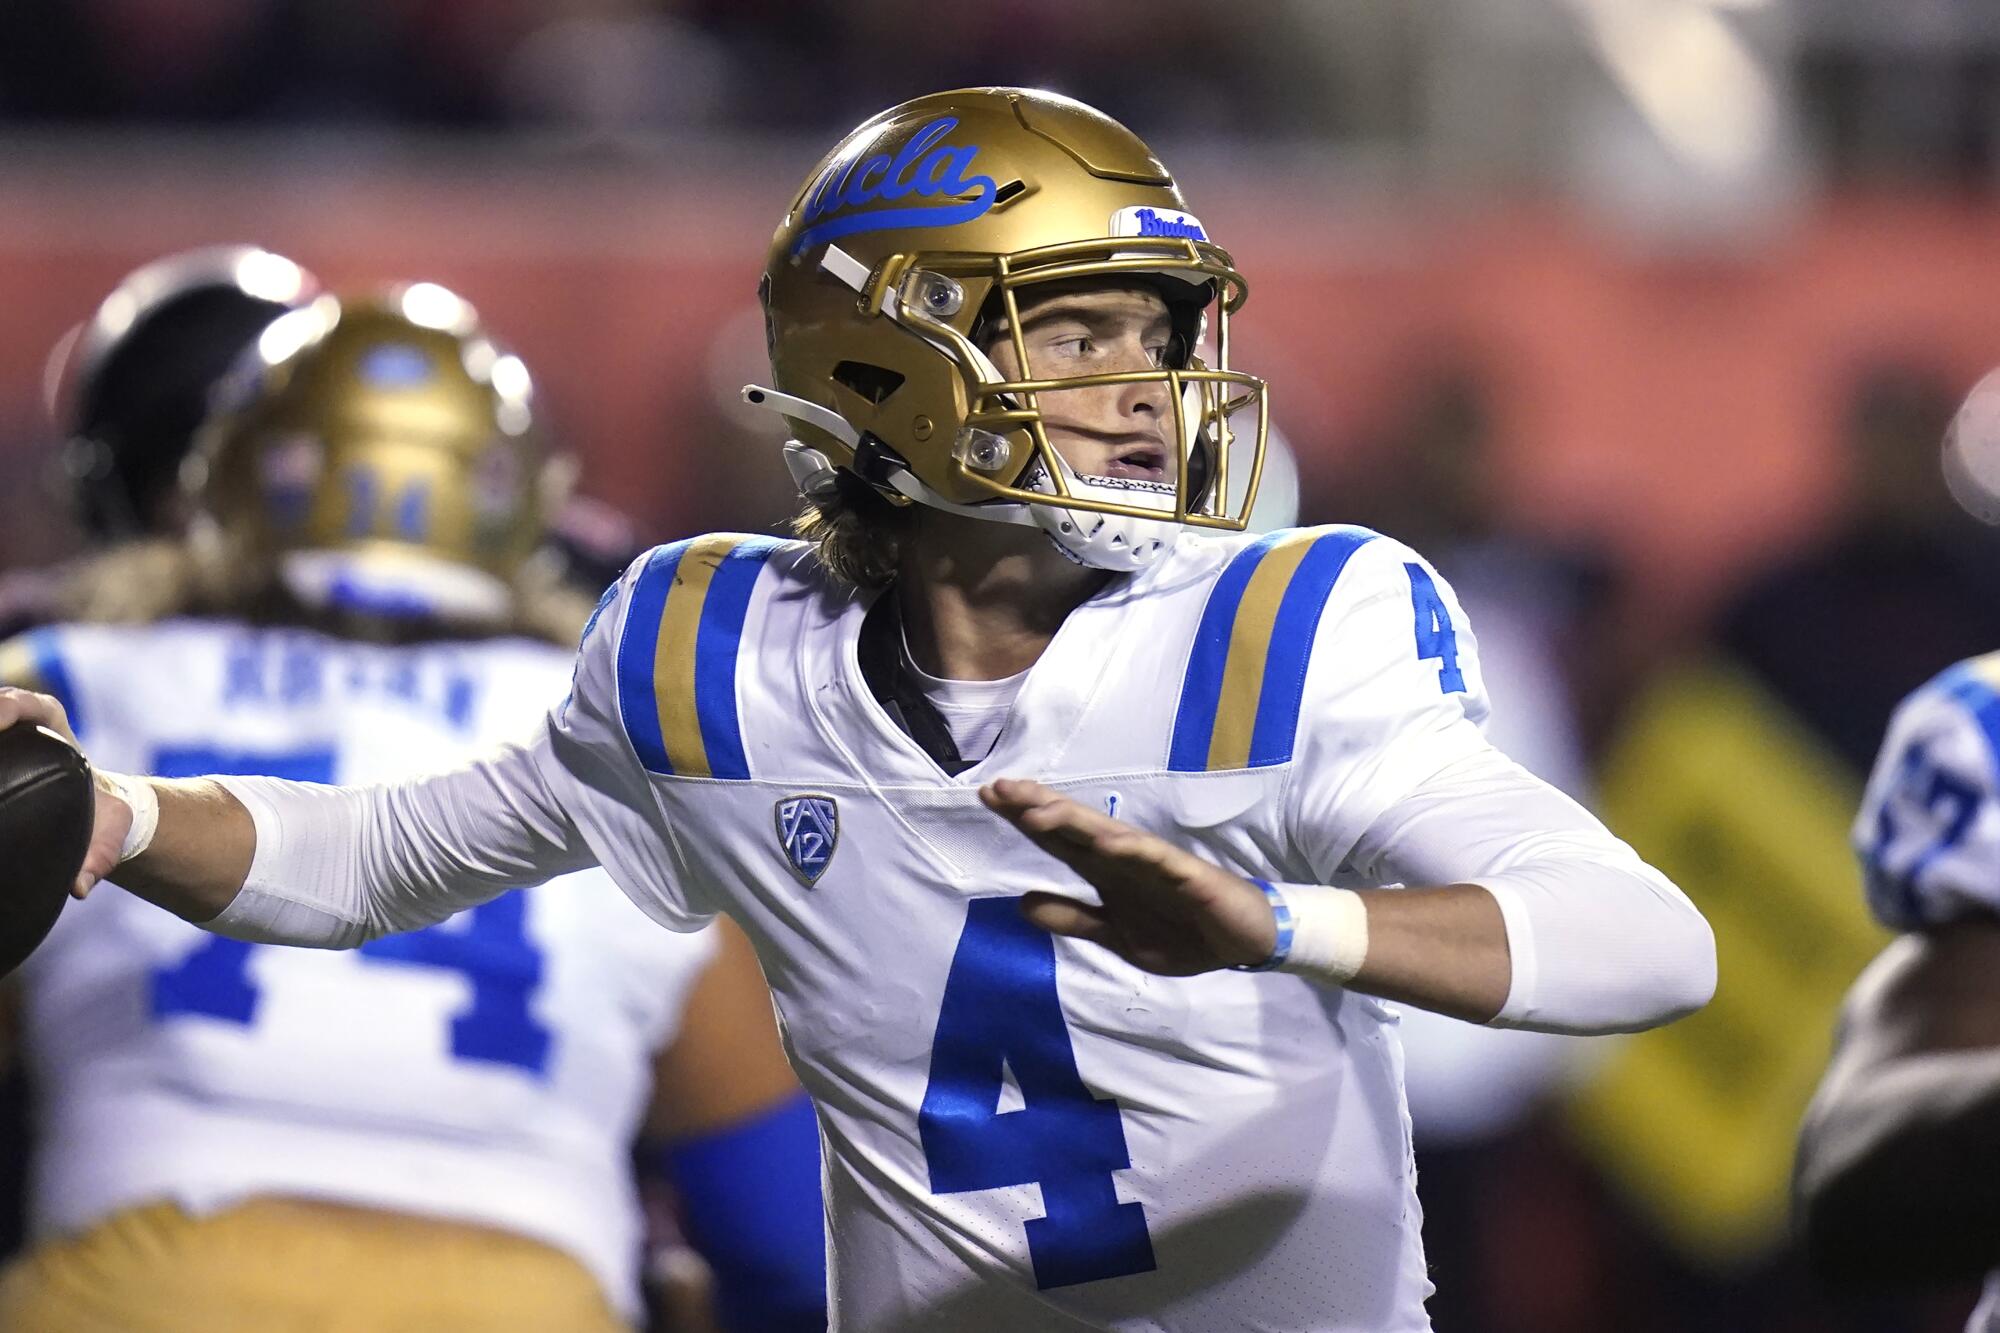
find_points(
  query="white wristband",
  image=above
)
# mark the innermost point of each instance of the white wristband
(138, 794)
(1329, 933)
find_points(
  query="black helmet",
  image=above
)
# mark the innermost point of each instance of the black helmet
(129, 386)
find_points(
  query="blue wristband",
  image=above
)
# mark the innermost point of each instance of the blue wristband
(1281, 913)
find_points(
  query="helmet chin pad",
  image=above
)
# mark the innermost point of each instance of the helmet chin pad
(1115, 542)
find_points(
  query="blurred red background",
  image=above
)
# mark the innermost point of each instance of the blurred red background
(1676, 406)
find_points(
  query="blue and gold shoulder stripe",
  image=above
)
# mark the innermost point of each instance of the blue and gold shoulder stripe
(1246, 675)
(678, 653)
(33, 661)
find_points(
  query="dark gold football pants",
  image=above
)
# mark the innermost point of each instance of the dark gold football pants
(282, 1266)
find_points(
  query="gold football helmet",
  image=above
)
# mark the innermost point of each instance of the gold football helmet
(916, 237)
(380, 456)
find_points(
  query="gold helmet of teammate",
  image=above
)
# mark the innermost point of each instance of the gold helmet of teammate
(379, 455)
(916, 238)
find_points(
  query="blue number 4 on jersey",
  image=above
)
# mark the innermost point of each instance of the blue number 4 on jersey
(1001, 1013)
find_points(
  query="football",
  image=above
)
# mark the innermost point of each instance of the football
(47, 809)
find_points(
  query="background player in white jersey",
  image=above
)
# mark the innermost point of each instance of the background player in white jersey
(1148, 1083)
(436, 1131)
(1893, 1175)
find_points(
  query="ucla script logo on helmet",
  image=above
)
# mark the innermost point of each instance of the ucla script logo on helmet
(808, 829)
(925, 166)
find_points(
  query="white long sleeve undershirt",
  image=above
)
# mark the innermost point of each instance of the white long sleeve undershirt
(1600, 942)
(338, 866)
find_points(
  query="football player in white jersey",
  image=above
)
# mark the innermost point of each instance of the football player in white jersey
(1891, 1181)
(1891, 1175)
(436, 1131)
(1132, 1069)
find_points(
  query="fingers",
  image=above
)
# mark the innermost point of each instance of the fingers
(102, 858)
(31, 709)
(1090, 843)
(1047, 816)
(1020, 798)
(1066, 916)
(26, 708)
(107, 839)
(96, 866)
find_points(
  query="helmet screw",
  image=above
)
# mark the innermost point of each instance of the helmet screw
(921, 428)
(982, 450)
(940, 297)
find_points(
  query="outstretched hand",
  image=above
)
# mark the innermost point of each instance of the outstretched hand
(1164, 909)
(114, 817)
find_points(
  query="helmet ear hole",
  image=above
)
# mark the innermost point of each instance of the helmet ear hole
(873, 384)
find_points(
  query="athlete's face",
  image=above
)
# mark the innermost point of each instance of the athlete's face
(1113, 430)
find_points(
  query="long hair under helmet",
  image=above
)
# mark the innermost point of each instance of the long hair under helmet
(923, 228)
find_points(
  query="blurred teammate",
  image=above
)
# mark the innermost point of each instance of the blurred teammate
(434, 1132)
(127, 388)
(1893, 1176)
(1165, 1095)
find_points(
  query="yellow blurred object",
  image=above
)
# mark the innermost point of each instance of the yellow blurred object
(278, 1266)
(1714, 783)
(19, 667)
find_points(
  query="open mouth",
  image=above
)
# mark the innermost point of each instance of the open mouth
(1141, 463)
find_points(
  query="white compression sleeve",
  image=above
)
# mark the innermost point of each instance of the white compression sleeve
(338, 866)
(1600, 941)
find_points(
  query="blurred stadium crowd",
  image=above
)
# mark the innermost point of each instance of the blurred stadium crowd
(1642, 318)
(1904, 94)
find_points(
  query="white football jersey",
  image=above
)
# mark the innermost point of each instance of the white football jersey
(1024, 1132)
(1928, 834)
(490, 1069)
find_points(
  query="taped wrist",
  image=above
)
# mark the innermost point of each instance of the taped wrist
(144, 802)
(1322, 933)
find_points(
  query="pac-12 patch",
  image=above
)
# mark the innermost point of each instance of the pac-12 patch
(808, 829)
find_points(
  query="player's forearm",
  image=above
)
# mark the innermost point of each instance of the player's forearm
(1571, 944)
(1596, 939)
(338, 866)
(1890, 1180)
(199, 854)
(1441, 949)
(298, 863)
